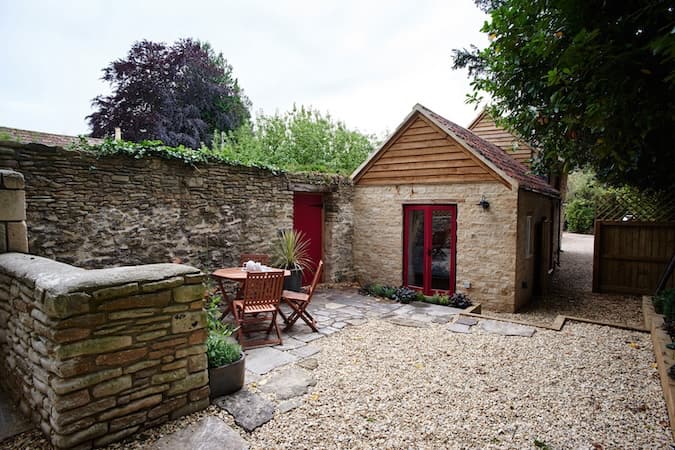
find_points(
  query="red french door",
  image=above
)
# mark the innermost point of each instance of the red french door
(429, 235)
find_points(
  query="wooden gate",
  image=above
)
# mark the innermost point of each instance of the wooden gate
(630, 256)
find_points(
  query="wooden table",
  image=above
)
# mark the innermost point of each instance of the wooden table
(238, 274)
(234, 274)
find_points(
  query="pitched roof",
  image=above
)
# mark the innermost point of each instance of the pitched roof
(38, 137)
(505, 166)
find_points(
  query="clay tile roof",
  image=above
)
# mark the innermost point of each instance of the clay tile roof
(495, 155)
(37, 137)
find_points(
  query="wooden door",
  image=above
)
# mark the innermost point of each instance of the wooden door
(429, 234)
(308, 218)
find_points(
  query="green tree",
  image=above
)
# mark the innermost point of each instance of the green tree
(302, 139)
(590, 82)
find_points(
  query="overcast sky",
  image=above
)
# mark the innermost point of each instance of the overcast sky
(367, 63)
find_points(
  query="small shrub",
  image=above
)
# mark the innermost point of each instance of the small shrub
(420, 297)
(443, 300)
(221, 350)
(664, 303)
(388, 292)
(460, 300)
(404, 295)
(579, 216)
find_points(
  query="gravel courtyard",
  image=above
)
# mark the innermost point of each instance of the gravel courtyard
(383, 385)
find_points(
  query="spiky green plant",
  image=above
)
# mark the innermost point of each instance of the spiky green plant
(291, 251)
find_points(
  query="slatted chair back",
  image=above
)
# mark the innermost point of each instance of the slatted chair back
(315, 280)
(263, 289)
(261, 258)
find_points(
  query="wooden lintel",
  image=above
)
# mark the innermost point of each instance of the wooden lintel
(307, 187)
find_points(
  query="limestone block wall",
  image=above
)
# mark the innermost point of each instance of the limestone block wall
(539, 208)
(13, 236)
(94, 356)
(110, 211)
(486, 239)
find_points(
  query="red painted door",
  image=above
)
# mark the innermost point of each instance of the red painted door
(429, 234)
(308, 218)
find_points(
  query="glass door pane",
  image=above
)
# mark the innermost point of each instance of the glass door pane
(415, 251)
(441, 249)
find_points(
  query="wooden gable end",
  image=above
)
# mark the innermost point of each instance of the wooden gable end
(421, 153)
(486, 128)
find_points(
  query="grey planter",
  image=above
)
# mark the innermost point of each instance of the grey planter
(227, 379)
(294, 282)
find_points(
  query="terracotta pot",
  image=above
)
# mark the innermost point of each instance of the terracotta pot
(294, 282)
(227, 379)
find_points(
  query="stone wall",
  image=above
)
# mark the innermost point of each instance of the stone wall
(13, 236)
(119, 210)
(486, 239)
(94, 356)
(539, 208)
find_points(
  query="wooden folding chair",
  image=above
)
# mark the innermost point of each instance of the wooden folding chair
(258, 306)
(299, 301)
(261, 258)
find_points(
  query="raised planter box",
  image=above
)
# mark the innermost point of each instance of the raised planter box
(665, 357)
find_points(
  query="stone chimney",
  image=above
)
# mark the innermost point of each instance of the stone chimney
(13, 234)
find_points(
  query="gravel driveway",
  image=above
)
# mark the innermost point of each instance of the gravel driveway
(571, 295)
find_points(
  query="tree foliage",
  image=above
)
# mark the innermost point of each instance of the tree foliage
(177, 94)
(590, 82)
(302, 139)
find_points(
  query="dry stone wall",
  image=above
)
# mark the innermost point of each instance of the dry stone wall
(13, 237)
(94, 356)
(119, 210)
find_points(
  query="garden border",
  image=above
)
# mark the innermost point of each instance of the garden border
(665, 357)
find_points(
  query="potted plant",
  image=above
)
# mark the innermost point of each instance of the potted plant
(227, 362)
(291, 252)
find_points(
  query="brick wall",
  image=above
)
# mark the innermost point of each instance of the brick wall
(118, 210)
(94, 356)
(486, 239)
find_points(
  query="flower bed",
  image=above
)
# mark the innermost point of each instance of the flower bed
(665, 357)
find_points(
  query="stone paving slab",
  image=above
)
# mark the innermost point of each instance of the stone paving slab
(210, 433)
(404, 322)
(289, 383)
(306, 351)
(308, 337)
(470, 321)
(459, 328)
(262, 360)
(248, 409)
(309, 363)
(288, 405)
(289, 343)
(506, 328)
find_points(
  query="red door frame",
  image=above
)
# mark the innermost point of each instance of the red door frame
(428, 235)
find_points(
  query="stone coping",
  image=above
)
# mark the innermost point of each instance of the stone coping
(59, 278)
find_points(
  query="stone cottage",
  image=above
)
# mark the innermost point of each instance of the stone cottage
(440, 209)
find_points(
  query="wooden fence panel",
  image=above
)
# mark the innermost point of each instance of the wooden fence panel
(630, 257)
